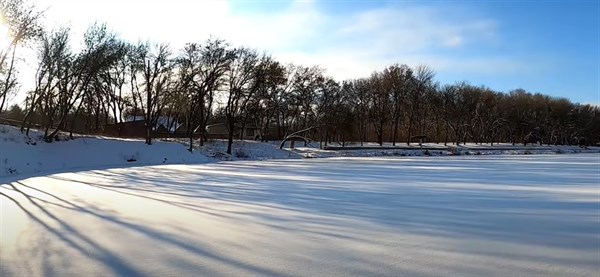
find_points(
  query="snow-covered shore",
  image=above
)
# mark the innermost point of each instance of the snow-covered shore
(22, 156)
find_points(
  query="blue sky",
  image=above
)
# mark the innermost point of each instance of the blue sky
(541, 46)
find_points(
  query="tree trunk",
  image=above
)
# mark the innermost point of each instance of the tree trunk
(409, 131)
(446, 136)
(73, 121)
(190, 131)
(380, 134)
(231, 124)
(395, 131)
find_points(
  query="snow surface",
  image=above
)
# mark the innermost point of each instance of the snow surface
(438, 149)
(23, 156)
(245, 150)
(419, 216)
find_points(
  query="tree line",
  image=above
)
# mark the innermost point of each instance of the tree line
(109, 79)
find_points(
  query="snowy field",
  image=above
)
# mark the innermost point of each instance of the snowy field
(420, 216)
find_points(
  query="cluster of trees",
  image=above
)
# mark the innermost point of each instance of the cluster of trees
(409, 99)
(21, 21)
(110, 78)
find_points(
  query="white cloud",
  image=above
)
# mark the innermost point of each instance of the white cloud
(355, 45)
(412, 29)
(454, 41)
(348, 45)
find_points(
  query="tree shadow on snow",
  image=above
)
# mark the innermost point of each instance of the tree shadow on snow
(36, 208)
(515, 200)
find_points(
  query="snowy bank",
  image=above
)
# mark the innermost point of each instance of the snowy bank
(254, 150)
(247, 150)
(23, 156)
(432, 149)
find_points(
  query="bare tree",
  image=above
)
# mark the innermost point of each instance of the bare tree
(22, 21)
(115, 78)
(307, 82)
(8, 83)
(156, 75)
(53, 54)
(423, 82)
(77, 74)
(270, 97)
(330, 111)
(242, 85)
(359, 102)
(398, 80)
(379, 111)
(201, 74)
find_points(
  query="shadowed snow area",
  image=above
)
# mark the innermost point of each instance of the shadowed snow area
(467, 216)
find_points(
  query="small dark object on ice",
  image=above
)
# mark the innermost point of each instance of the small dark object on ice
(131, 160)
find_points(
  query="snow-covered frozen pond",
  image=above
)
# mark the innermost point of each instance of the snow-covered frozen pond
(468, 216)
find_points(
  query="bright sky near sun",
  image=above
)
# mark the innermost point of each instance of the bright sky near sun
(550, 47)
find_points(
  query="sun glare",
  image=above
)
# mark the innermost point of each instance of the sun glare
(4, 33)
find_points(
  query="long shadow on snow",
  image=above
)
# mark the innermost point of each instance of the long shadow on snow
(411, 195)
(462, 200)
(119, 266)
(97, 251)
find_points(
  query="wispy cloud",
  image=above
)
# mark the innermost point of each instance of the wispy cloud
(415, 28)
(355, 44)
(350, 44)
